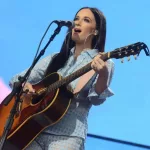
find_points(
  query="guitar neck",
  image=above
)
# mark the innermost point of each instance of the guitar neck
(74, 75)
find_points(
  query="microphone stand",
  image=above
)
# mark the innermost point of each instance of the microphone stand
(17, 91)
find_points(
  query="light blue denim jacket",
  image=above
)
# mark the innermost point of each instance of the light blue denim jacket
(74, 123)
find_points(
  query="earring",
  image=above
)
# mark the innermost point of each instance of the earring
(96, 32)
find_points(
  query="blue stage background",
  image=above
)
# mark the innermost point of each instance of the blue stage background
(124, 116)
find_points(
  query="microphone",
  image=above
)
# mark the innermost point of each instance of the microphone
(68, 24)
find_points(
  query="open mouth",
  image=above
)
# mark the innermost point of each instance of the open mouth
(77, 30)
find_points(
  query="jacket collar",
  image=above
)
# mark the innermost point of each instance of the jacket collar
(91, 52)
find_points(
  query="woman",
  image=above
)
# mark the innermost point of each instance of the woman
(84, 43)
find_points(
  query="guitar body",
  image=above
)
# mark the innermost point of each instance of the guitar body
(36, 113)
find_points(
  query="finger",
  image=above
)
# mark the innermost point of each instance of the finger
(93, 65)
(25, 91)
(101, 56)
(101, 53)
(103, 63)
(99, 63)
(28, 88)
(31, 91)
(98, 57)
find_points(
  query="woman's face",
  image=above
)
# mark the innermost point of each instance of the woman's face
(85, 26)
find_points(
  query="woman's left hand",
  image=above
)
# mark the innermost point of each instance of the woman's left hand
(99, 66)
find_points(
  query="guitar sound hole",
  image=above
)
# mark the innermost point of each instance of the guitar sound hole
(37, 99)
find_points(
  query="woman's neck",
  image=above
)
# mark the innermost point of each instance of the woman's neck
(79, 48)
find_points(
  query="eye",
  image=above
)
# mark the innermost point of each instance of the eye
(76, 18)
(86, 20)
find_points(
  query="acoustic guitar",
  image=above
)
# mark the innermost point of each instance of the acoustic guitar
(50, 103)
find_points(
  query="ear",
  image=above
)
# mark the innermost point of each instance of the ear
(96, 32)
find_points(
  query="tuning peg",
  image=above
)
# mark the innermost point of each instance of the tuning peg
(132, 51)
(122, 60)
(135, 57)
(128, 58)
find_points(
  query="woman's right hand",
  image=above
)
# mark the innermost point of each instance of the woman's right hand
(28, 88)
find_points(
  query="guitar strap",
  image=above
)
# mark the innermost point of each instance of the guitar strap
(83, 80)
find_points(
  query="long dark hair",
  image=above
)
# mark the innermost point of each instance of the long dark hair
(98, 42)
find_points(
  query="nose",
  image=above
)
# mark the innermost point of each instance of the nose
(77, 23)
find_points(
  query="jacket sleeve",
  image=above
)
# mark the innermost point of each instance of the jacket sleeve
(37, 72)
(97, 99)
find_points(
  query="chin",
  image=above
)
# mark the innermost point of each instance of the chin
(77, 40)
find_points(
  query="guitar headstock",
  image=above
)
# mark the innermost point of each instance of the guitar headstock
(127, 51)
